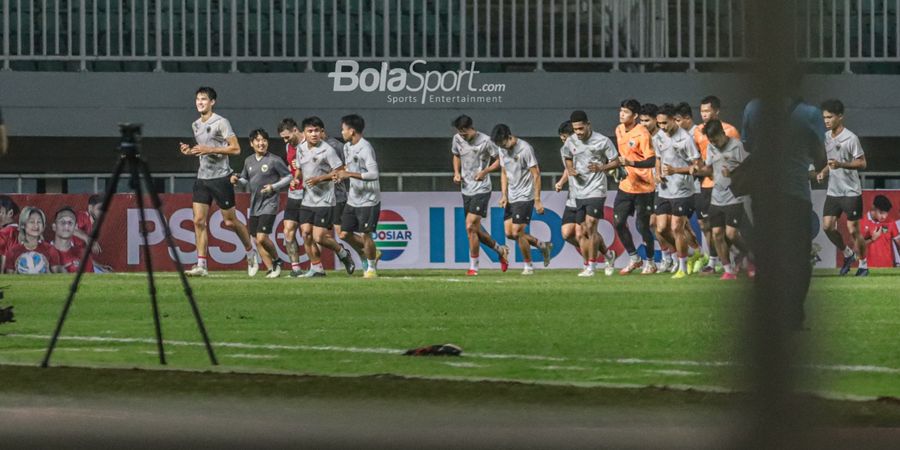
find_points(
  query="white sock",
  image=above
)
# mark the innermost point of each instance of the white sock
(588, 265)
(728, 268)
(635, 257)
(713, 261)
(591, 265)
(863, 263)
(317, 267)
(528, 265)
(201, 261)
(473, 263)
(371, 264)
(496, 246)
(848, 252)
(682, 264)
(343, 253)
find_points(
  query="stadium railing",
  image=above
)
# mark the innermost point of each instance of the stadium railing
(286, 36)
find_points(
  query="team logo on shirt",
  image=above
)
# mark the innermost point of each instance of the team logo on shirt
(392, 235)
(631, 143)
(264, 168)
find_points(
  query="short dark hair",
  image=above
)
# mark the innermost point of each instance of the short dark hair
(354, 122)
(312, 121)
(712, 127)
(882, 203)
(684, 110)
(578, 116)
(500, 133)
(462, 122)
(667, 109)
(62, 210)
(713, 101)
(288, 123)
(259, 132)
(210, 92)
(566, 127)
(833, 106)
(631, 104)
(6, 202)
(649, 109)
(95, 199)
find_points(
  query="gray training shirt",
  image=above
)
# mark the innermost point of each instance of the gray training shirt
(361, 159)
(213, 133)
(597, 149)
(340, 189)
(844, 148)
(257, 173)
(315, 162)
(474, 157)
(678, 150)
(731, 156)
(517, 162)
(570, 192)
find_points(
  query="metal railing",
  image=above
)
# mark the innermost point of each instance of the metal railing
(299, 33)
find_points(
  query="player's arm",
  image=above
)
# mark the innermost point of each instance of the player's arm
(233, 148)
(281, 169)
(701, 170)
(327, 177)
(491, 168)
(564, 179)
(856, 164)
(457, 177)
(504, 184)
(242, 178)
(536, 176)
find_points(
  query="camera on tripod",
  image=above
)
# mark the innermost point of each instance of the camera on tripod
(131, 134)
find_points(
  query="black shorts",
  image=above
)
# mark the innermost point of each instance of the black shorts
(219, 189)
(702, 202)
(519, 212)
(679, 207)
(292, 210)
(261, 224)
(318, 216)
(730, 215)
(477, 204)
(628, 203)
(851, 206)
(360, 219)
(590, 207)
(570, 215)
(337, 213)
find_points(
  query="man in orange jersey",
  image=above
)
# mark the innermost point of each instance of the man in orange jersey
(636, 190)
(709, 110)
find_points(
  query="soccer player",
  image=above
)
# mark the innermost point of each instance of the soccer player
(30, 238)
(264, 174)
(70, 250)
(215, 141)
(587, 156)
(709, 110)
(647, 118)
(676, 154)
(293, 137)
(520, 187)
(684, 117)
(474, 158)
(360, 216)
(844, 196)
(318, 163)
(570, 229)
(9, 211)
(726, 212)
(635, 195)
(880, 233)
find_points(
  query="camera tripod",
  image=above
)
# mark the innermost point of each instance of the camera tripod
(130, 157)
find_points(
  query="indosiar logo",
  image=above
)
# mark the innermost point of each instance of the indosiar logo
(392, 235)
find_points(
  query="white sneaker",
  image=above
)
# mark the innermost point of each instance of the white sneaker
(665, 265)
(610, 263)
(547, 252)
(276, 270)
(252, 263)
(586, 273)
(649, 268)
(528, 271)
(674, 268)
(197, 271)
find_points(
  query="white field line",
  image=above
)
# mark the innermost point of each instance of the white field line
(393, 351)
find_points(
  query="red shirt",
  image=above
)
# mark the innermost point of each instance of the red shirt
(70, 259)
(881, 250)
(50, 254)
(7, 237)
(290, 157)
(84, 222)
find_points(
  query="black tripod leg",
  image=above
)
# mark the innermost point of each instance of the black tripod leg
(107, 200)
(157, 205)
(136, 180)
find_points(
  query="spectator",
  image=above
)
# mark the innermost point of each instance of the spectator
(70, 250)
(880, 233)
(9, 211)
(30, 254)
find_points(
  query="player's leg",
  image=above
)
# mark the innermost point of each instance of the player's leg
(522, 238)
(681, 247)
(853, 207)
(473, 226)
(643, 209)
(831, 212)
(266, 225)
(230, 222)
(589, 242)
(348, 231)
(322, 236)
(709, 262)
(201, 230)
(624, 208)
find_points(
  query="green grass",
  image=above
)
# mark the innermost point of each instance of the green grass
(552, 328)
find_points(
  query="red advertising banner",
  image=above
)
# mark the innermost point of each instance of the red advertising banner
(121, 245)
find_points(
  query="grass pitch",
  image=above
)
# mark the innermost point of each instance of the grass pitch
(552, 328)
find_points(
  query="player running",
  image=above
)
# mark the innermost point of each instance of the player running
(570, 229)
(845, 159)
(318, 163)
(264, 174)
(520, 187)
(676, 154)
(587, 156)
(726, 212)
(474, 158)
(360, 216)
(215, 141)
(635, 195)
